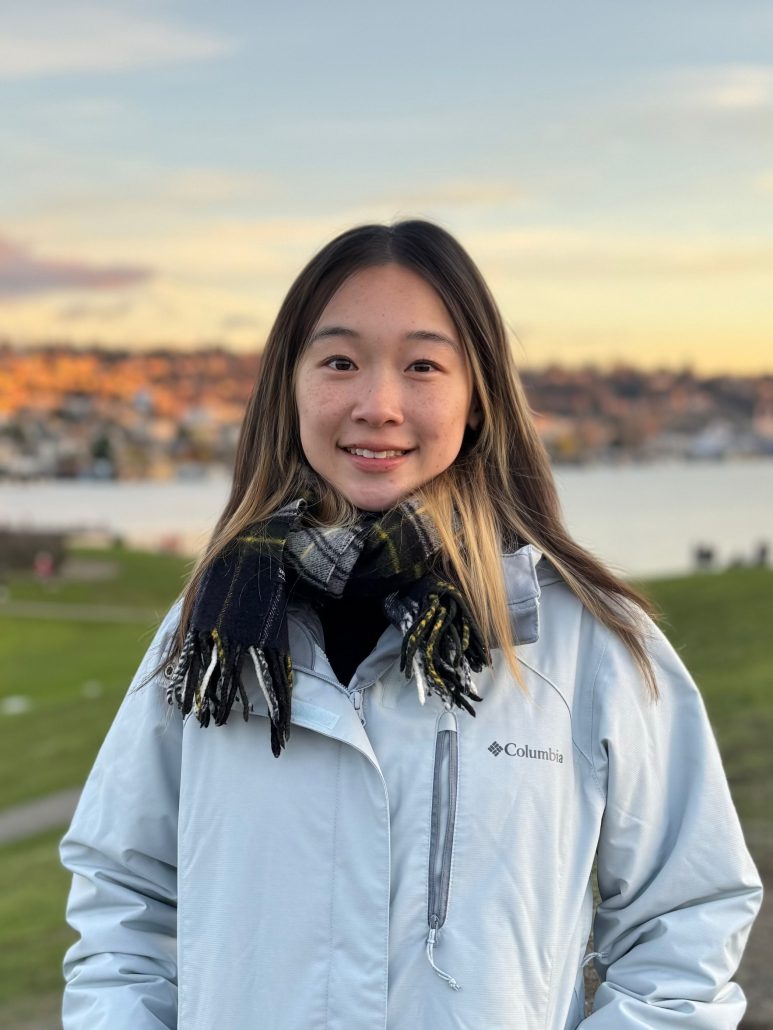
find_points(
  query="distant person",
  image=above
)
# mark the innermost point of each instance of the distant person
(704, 557)
(43, 566)
(408, 711)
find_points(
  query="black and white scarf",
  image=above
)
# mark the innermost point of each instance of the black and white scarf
(240, 612)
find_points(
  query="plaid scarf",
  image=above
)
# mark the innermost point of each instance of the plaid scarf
(240, 613)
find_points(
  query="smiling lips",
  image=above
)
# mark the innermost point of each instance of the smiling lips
(364, 452)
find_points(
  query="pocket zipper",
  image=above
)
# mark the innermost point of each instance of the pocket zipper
(442, 826)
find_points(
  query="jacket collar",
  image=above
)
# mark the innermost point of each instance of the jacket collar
(522, 582)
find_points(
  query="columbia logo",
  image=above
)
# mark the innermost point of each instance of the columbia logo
(513, 750)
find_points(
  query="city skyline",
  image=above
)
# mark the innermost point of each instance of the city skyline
(169, 168)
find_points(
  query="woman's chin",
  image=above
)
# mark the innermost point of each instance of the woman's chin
(374, 504)
(375, 500)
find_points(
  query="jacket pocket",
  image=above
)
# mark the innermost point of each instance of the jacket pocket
(445, 782)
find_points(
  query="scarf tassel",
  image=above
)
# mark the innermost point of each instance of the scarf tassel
(274, 673)
(441, 646)
(207, 680)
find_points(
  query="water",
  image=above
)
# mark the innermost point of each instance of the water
(647, 519)
(642, 519)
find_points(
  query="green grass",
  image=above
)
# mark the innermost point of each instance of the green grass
(73, 674)
(55, 665)
(74, 677)
(141, 580)
(34, 934)
(721, 624)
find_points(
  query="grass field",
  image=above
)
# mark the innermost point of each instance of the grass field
(34, 936)
(71, 676)
(722, 626)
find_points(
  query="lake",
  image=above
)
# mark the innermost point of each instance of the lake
(642, 519)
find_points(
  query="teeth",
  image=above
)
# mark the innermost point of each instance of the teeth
(363, 453)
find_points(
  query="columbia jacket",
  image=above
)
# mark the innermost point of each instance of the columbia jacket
(402, 866)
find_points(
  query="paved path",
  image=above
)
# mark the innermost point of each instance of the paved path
(34, 817)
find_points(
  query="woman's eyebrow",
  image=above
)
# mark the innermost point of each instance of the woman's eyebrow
(428, 335)
(432, 337)
(334, 330)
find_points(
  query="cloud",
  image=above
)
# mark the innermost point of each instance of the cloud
(22, 273)
(232, 323)
(256, 250)
(547, 252)
(98, 313)
(71, 203)
(210, 186)
(720, 88)
(49, 39)
(457, 193)
(763, 184)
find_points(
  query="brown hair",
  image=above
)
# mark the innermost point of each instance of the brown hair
(501, 485)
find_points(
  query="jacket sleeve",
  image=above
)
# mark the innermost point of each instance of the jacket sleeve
(678, 888)
(122, 851)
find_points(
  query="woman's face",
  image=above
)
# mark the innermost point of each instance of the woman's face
(384, 389)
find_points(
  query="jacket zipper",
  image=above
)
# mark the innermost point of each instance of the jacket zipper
(359, 704)
(442, 826)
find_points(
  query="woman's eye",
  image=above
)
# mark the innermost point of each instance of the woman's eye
(340, 364)
(423, 366)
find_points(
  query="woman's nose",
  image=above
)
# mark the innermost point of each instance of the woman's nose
(378, 401)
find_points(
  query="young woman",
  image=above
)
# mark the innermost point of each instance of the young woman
(406, 714)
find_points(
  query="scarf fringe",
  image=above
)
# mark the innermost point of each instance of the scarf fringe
(442, 647)
(207, 679)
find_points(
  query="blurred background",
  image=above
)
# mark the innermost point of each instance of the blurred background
(167, 169)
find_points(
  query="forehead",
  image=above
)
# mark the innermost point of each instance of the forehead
(388, 296)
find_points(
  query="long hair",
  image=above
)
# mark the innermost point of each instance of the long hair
(501, 485)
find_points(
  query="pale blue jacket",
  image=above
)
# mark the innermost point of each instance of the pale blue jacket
(396, 852)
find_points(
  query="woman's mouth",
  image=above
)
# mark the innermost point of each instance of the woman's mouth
(363, 452)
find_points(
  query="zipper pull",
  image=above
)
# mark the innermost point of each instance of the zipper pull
(446, 721)
(359, 705)
(431, 941)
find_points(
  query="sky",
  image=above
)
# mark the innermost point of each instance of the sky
(167, 168)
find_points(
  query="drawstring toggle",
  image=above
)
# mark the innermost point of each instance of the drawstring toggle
(431, 941)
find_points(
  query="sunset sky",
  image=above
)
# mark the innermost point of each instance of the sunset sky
(168, 167)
